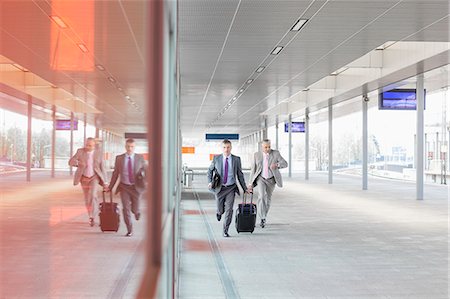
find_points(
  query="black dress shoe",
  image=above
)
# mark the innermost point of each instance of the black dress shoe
(91, 221)
(225, 234)
(129, 234)
(263, 223)
(218, 217)
(137, 216)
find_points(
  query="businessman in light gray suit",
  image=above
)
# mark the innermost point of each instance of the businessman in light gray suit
(264, 175)
(229, 168)
(90, 173)
(131, 169)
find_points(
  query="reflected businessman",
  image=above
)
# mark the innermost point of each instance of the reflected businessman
(130, 169)
(265, 175)
(90, 173)
(228, 168)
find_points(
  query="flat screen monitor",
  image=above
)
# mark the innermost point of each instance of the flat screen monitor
(64, 124)
(398, 99)
(297, 127)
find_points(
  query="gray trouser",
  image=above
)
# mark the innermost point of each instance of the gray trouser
(265, 189)
(89, 186)
(130, 203)
(225, 202)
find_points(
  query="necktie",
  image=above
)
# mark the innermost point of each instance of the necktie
(225, 176)
(266, 167)
(130, 171)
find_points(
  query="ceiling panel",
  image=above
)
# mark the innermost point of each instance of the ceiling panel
(337, 33)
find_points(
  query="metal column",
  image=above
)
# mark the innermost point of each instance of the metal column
(29, 139)
(306, 143)
(276, 133)
(290, 145)
(265, 128)
(365, 145)
(330, 142)
(420, 137)
(71, 141)
(53, 150)
(84, 128)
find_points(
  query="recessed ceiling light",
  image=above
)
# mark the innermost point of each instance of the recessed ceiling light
(241, 90)
(249, 81)
(20, 67)
(299, 24)
(277, 50)
(111, 79)
(342, 69)
(59, 21)
(260, 69)
(83, 48)
(100, 67)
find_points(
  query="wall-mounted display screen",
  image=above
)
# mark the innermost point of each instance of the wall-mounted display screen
(297, 127)
(64, 124)
(398, 99)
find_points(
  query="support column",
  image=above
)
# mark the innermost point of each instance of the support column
(265, 128)
(29, 139)
(71, 141)
(276, 133)
(53, 150)
(84, 128)
(420, 136)
(306, 143)
(330, 142)
(365, 144)
(290, 145)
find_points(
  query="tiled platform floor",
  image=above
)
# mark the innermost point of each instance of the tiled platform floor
(48, 250)
(322, 241)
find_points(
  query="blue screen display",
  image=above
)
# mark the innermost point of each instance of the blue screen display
(297, 127)
(398, 99)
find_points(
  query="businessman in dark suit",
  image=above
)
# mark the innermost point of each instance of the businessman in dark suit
(229, 169)
(131, 169)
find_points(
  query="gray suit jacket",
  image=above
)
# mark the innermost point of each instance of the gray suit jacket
(217, 163)
(79, 160)
(139, 169)
(257, 166)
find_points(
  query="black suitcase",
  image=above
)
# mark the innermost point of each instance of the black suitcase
(246, 216)
(109, 215)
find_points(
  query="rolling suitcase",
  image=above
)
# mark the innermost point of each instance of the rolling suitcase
(109, 214)
(246, 216)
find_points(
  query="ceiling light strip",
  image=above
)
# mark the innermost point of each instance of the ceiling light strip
(59, 22)
(299, 25)
(217, 62)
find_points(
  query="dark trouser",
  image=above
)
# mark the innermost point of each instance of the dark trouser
(225, 202)
(130, 203)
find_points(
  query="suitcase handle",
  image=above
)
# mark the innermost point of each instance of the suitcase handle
(110, 196)
(245, 198)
